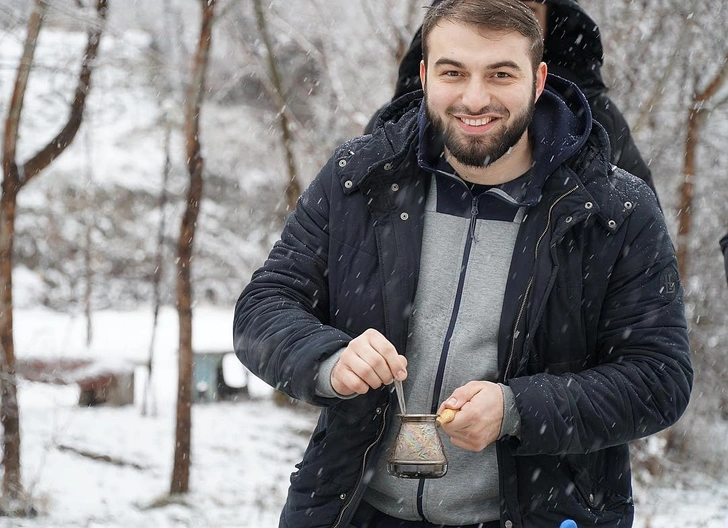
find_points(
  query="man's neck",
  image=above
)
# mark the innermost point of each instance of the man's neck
(513, 164)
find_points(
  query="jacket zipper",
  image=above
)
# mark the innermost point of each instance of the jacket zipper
(530, 282)
(474, 210)
(363, 467)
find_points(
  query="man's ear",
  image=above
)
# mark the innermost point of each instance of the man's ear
(423, 74)
(541, 72)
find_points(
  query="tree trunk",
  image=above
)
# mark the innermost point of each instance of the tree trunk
(695, 120)
(9, 411)
(687, 189)
(14, 178)
(88, 254)
(12, 486)
(148, 404)
(195, 166)
(293, 189)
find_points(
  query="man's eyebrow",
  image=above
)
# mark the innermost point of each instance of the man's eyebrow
(504, 64)
(444, 61)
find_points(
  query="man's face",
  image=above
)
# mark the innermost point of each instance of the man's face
(541, 10)
(480, 91)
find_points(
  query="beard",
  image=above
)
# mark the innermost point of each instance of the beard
(474, 151)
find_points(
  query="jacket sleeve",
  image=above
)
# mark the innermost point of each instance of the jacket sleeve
(641, 376)
(280, 330)
(724, 247)
(624, 151)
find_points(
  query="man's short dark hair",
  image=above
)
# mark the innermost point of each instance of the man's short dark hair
(489, 15)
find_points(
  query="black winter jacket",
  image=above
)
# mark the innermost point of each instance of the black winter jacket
(573, 50)
(593, 336)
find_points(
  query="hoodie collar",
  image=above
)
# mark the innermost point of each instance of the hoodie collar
(560, 127)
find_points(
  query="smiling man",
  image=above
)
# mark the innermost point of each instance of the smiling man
(480, 95)
(572, 50)
(479, 247)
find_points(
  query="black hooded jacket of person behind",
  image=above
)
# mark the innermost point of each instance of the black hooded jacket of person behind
(573, 50)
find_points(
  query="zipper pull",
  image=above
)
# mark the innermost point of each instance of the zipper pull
(473, 217)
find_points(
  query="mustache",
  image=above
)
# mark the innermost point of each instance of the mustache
(496, 109)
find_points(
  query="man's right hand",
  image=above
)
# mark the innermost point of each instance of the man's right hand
(369, 361)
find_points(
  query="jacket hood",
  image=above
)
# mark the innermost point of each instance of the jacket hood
(573, 46)
(573, 50)
(560, 127)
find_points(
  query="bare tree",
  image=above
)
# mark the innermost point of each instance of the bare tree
(15, 176)
(195, 166)
(293, 189)
(703, 101)
(397, 33)
(148, 404)
(89, 224)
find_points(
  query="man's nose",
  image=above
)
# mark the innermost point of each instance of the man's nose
(475, 96)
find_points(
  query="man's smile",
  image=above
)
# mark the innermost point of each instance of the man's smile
(476, 125)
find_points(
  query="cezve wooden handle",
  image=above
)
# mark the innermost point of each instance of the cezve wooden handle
(446, 416)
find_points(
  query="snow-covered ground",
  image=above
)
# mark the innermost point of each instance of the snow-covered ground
(243, 452)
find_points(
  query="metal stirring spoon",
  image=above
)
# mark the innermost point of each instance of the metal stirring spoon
(400, 395)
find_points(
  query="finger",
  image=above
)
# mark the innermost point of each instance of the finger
(462, 395)
(363, 366)
(396, 364)
(345, 382)
(352, 371)
(378, 365)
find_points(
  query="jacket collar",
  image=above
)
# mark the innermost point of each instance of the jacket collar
(382, 151)
(580, 162)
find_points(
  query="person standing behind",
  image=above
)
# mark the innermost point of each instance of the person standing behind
(572, 50)
(479, 247)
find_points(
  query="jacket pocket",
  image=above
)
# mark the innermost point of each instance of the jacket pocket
(555, 488)
(598, 498)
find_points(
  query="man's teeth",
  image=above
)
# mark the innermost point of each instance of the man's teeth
(476, 122)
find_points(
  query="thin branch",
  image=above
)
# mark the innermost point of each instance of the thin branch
(99, 458)
(293, 189)
(58, 144)
(375, 22)
(715, 84)
(276, 97)
(658, 87)
(12, 122)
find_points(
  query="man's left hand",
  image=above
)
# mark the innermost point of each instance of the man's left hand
(480, 415)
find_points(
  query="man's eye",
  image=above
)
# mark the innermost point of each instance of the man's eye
(452, 73)
(502, 75)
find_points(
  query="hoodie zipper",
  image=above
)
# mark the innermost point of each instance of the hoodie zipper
(530, 282)
(363, 468)
(474, 211)
(456, 308)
